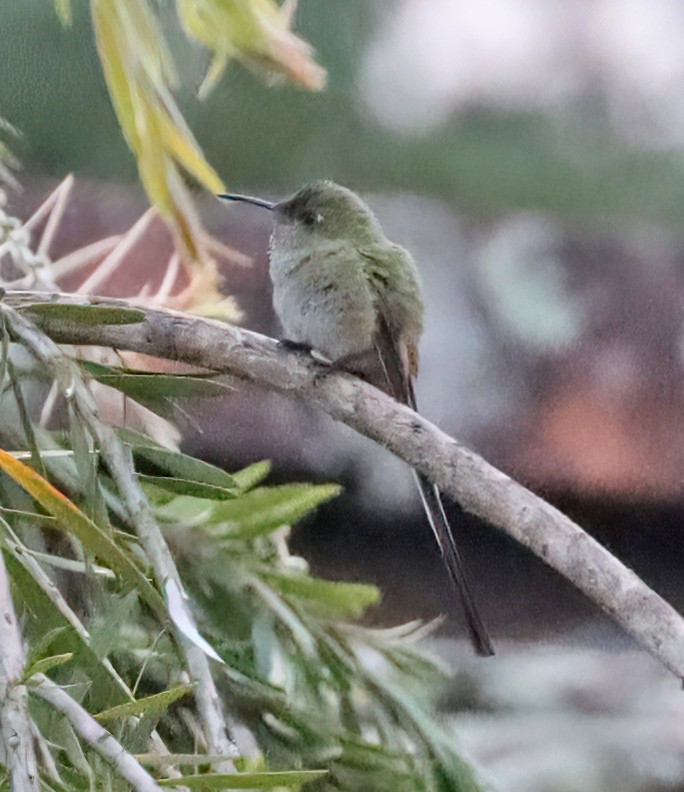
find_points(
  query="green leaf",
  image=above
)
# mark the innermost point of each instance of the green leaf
(25, 418)
(249, 477)
(84, 314)
(150, 705)
(159, 392)
(194, 489)
(184, 510)
(244, 780)
(71, 745)
(156, 385)
(190, 469)
(343, 599)
(175, 760)
(267, 508)
(41, 666)
(91, 536)
(86, 461)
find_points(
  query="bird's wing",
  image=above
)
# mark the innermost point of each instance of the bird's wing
(395, 286)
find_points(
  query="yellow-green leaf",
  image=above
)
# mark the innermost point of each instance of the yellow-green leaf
(41, 666)
(291, 778)
(194, 489)
(187, 467)
(249, 477)
(257, 32)
(265, 509)
(187, 153)
(150, 705)
(345, 599)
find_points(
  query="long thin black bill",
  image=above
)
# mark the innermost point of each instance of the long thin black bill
(247, 199)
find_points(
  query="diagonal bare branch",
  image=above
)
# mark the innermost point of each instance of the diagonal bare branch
(471, 481)
(96, 736)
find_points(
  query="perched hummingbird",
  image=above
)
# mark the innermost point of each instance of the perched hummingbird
(342, 289)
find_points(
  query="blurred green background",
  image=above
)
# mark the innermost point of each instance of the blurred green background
(488, 160)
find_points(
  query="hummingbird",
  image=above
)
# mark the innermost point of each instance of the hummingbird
(342, 290)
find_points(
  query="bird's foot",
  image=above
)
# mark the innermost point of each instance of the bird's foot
(295, 346)
(323, 365)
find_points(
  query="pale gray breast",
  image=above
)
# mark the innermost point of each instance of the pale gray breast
(323, 299)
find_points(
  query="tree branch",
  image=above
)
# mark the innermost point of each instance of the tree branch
(15, 723)
(471, 481)
(96, 736)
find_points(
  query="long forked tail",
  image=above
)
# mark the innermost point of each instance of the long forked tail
(439, 523)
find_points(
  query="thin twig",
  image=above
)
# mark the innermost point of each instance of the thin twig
(46, 758)
(169, 280)
(471, 481)
(62, 194)
(83, 256)
(118, 459)
(46, 207)
(15, 722)
(106, 268)
(96, 736)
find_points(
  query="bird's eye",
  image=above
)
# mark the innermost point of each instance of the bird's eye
(312, 218)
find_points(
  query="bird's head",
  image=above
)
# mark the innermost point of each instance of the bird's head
(320, 209)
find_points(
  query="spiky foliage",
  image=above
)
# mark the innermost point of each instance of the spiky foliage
(312, 697)
(140, 74)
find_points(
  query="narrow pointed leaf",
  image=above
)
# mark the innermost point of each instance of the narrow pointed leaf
(343, 599)
(265, 509)
(157, 391)
(195, 489)
(187, 468)
(292, 778)
(41, 666)
(150, 705)
(41, 645)
(25, 418)
(156, 384)
(251, 476)
(184, 150)
(85, 314)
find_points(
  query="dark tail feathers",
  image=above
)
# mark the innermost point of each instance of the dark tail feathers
(445, 539)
